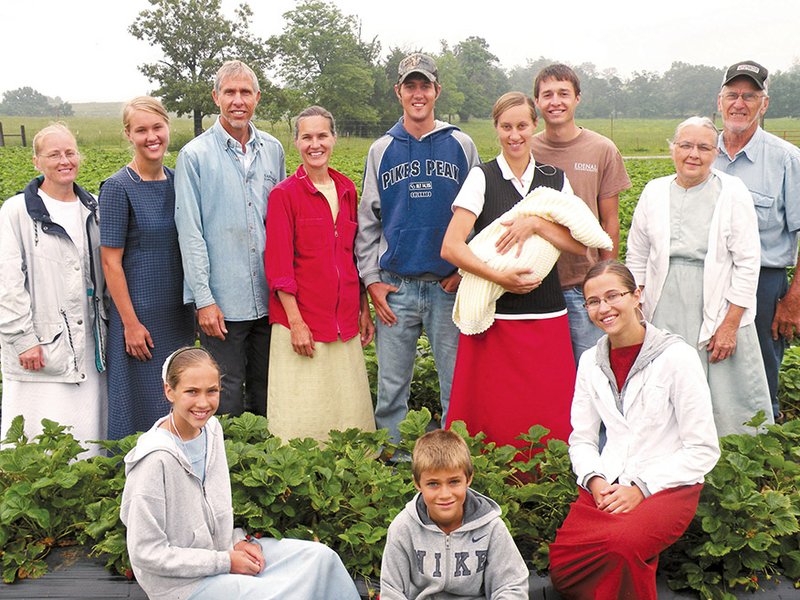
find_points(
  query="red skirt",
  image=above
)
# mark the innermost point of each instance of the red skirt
(514, 375)
(603, 556)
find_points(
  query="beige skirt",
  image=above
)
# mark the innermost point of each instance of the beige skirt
(308, 397)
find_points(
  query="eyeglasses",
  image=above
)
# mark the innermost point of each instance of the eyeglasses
(748, 97)
(688, 146)
(612, 298)
(70, 155)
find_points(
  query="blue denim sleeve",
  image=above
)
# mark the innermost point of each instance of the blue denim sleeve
(194, 252)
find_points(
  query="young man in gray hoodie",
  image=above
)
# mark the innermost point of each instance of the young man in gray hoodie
(449, 541)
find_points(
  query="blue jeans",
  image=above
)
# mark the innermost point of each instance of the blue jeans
(582, 331)
(294, 569)
(772, 286)
(417, 304)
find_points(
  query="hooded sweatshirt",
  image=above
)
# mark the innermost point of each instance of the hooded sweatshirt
(659, 426)
(180, 529)
(409, 187)
(478, 560)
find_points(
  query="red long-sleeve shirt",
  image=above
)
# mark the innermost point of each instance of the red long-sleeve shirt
(311, 257)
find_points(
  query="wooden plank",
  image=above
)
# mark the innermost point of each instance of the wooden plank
(72, 574)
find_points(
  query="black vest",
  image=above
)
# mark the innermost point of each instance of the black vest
(500, 196)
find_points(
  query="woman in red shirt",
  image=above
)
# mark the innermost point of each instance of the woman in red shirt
(318, 309)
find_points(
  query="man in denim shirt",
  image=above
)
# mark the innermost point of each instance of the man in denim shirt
(222, 180)
(770, 168)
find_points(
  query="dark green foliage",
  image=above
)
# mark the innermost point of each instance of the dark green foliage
(321, 56)
(48, 499)
(195, 38)
(789, 385)
(97, 164)
(745, 531)
(746, 527)
(339, 494)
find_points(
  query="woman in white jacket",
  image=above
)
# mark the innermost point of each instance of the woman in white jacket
(640, 492)
(52, 312)
(694, 249)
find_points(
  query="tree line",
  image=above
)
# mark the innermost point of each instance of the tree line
(321, 57)
(28, 102)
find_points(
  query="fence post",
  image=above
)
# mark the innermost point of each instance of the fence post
(22, 135)
(2, 138)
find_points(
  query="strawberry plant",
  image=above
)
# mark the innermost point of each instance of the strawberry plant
(745, 532)
(746, 528)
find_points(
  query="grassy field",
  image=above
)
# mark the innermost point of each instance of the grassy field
(105, 148)
(634, 137)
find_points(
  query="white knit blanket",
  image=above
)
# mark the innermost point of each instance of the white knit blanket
(474, 309)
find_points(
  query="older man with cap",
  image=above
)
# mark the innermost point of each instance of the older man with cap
(770, 168)
(412, 175)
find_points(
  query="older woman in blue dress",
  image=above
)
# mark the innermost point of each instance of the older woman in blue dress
(694, 248)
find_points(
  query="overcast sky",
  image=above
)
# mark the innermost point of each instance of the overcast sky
(81, 50)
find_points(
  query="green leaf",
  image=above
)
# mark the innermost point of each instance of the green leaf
(415, 424)
(784, 524)
(711, 523)
(66, 479)
(716, 549)
(791, 564)
(758, 420)
(16, 434)
(755, 561)
(41, 516)
(760, 541)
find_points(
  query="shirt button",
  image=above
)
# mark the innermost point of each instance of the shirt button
(83, 375)
(77, 268)
(80, 321)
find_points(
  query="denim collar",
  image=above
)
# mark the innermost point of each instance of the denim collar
(226, 140)
(752, 149)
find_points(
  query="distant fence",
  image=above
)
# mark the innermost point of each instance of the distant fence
(21, 135)
(790, 135)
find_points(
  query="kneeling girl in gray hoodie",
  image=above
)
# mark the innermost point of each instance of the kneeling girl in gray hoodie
(178, 512)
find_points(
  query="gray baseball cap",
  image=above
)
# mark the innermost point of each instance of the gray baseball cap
(417, 63)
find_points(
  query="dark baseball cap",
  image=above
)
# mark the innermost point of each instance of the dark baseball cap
(417, 63)
(747, 68)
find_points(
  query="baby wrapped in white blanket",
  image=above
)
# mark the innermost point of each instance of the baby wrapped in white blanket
(474, 308)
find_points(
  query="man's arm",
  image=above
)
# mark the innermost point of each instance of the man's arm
(368, 238)
(370, 227)
(194, 253)
(608, 215)
(787, 313)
